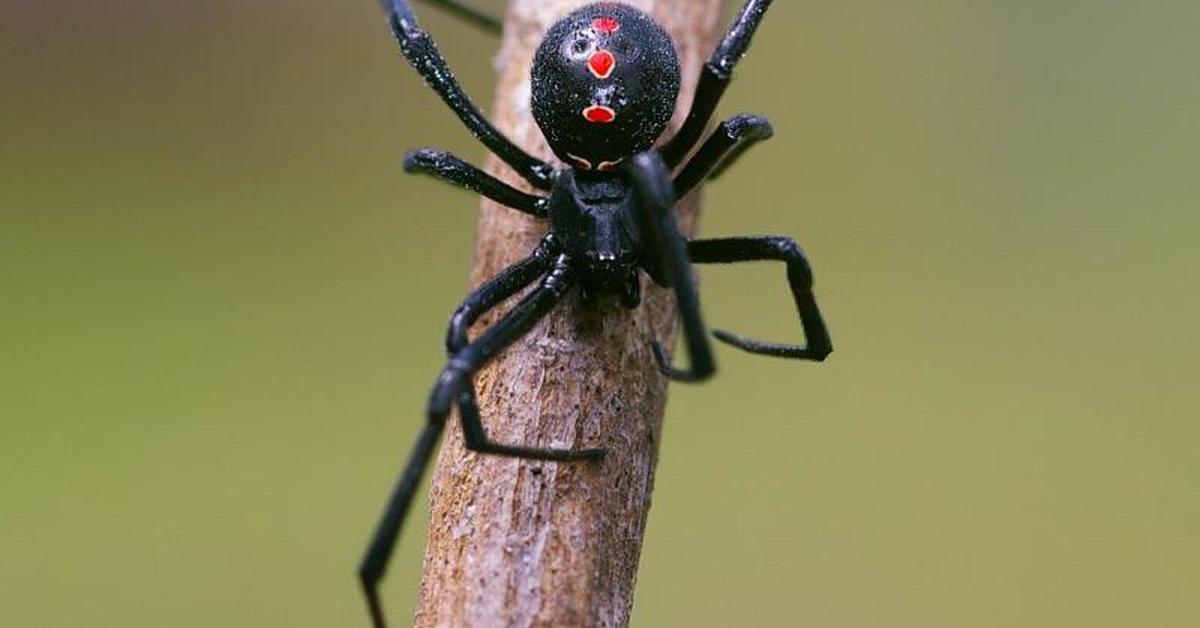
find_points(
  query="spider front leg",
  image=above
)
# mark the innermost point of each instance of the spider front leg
(455, 383)
(732, 138)
(420, 50)
(487, 296)
(667, 263)
(470, 15)
(799, 274)
(474, 434)
(714, 78)
(455, 171)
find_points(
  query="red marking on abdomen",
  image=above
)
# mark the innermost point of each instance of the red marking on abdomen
(599, 114)
(606, 24)
(601, 63)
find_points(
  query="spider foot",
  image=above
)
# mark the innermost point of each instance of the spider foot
(779, 350)
(672, 373)
(551, 454)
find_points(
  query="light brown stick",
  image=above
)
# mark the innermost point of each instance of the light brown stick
(526, 543)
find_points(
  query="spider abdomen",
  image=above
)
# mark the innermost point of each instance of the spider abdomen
(604, 84)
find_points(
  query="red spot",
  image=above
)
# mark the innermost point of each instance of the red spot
(606, 24)
(601, 63)
(599, 114)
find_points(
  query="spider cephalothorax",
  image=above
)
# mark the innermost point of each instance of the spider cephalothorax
(605, 80)
(604, 84)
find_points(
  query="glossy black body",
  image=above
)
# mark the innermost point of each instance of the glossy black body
(592, 218)
(640, 89)
(604, 84)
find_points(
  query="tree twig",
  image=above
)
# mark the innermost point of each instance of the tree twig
(526, 543)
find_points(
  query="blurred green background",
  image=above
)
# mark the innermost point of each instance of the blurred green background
(221, 305)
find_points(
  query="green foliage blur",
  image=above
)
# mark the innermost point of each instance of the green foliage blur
(221, 304)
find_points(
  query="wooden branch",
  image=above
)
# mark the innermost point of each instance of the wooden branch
(526, 543)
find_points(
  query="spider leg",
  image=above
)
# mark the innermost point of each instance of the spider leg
(721, 149)
(714, 78)
(799, 274)
(653, 200)
(383, 541)
(447, 167)
(420, 50)
(455, 382)
(471, 15)
(496, 290)
(476, 438)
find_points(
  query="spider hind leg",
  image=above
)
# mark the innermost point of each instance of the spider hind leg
(419, 48)
(714, 79)
(731, 138)
(470, 15)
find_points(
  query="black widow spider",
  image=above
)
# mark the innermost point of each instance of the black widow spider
(604, 83)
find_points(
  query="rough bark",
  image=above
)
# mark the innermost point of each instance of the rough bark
(526, 543)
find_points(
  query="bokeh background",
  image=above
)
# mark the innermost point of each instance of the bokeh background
(221, 304)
